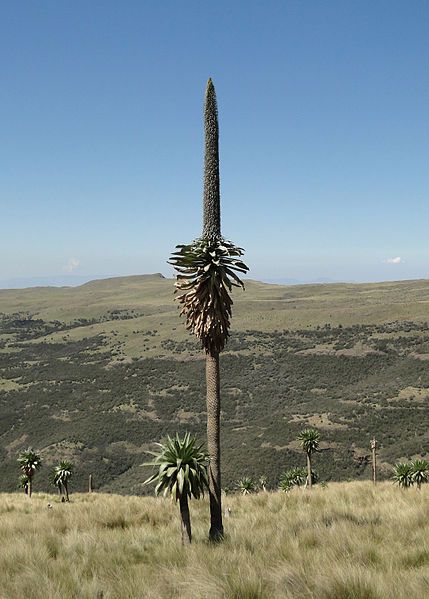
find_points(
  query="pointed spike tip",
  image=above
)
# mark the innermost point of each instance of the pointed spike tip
(210, 85)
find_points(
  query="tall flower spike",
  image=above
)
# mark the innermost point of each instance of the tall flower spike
(211, 218)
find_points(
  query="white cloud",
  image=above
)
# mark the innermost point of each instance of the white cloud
(397, 260)
(72, 264)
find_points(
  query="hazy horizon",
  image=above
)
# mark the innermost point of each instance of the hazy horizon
(76, 280)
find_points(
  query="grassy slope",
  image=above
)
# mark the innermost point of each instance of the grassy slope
(345, 541)
(77, 392)
(262, 307)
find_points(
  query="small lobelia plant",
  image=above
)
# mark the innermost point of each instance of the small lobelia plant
(309, 440)
(294, 477)
(246, 485)
(420, 472)
(181, 472)
(60, 477)
(23, 483)
(29, 462)
(403, 474)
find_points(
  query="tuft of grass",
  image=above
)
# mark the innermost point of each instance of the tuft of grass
(347, 541)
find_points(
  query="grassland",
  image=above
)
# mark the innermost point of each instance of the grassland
(99, 372)
(266, 308)
(345, 541)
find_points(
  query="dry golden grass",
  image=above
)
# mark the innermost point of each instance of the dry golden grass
(346, 541)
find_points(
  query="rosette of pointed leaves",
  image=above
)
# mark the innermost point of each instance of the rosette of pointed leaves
(420, 472)
(181, 468)
(29, 462)
(294, 477)
(403, 474)
(62, 473)
(246, 485)
(309, 440)
(23, 481)
(206, 274)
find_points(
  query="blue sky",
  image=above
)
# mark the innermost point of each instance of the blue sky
(324, 135)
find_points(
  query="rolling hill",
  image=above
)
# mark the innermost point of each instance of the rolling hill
(98, 372)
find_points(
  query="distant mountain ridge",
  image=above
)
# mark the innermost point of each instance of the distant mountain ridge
(77, 280)
(62, 280)
(53, 281)
(286, 281)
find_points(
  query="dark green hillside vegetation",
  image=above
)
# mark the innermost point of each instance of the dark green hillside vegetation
(96, 374)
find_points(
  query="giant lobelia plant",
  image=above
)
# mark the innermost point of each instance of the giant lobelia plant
(207, 271)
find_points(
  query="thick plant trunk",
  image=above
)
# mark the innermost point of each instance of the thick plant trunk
(309, 481)
(66, 490)
(30, 487)
(213, 445)
(90, 483)
(185, 520)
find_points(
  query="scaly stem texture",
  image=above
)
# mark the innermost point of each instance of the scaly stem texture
(213, 445)
(309, 470)
(185, 520)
